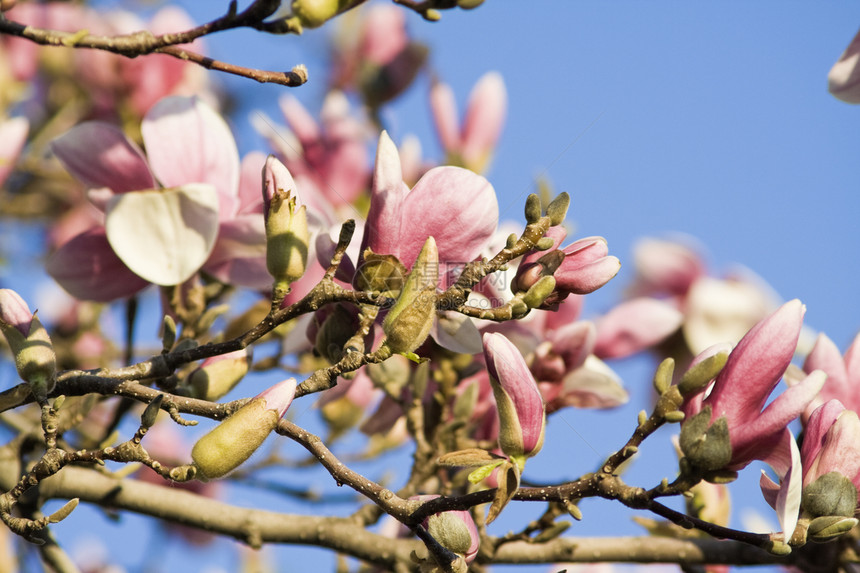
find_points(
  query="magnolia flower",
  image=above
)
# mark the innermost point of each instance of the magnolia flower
(635, 325)
(830, 461)
(584, 266)
(472, 144)
(731, 415)
(154, 235)
(453, 205)
(328, 158)
(714, 310)
(522, 418)
(844, 77)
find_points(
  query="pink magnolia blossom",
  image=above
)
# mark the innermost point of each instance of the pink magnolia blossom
(149, 79)
(714, 309)
(453, 205)
(328, 158)
(844, 77)
(635, 325)
(187, 143)
(843, 373)
(831, 443)
(13, 136)
(472, 144)
(522, 417)
(376, 58)
(585, 267)
(744, 385)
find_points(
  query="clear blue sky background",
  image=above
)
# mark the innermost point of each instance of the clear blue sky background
(709, 119)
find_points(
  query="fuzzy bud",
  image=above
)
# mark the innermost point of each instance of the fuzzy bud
(706, 446)
(557, 209)
(315, 13)
(233, 441)
(218, 375)
(522, 415)
(823, 529)
(409, 321)
(29, 342)
(533, 209)
(287, 234)
(829, 495)
(454, 530)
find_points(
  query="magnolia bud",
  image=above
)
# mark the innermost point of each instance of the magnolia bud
(218, 375)
(521, 409)
(29, 342)
(233, 441)
(831, 494)
(706, 446)
(380, 273)
(287, 234)
(454, 530)
(557, 209)
(409, 321)
(315, 13)
(823, 529)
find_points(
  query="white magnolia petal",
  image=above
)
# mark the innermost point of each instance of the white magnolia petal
(457, 333)
(164, 235)
(788, 499)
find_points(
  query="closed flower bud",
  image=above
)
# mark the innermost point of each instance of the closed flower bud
(522, 416)
(830, 494)
(408, 323)
(315, 13)
(218, 375)
(233, 441)
(824, 529)
(454, 530)
(29, 342)
(287, 234)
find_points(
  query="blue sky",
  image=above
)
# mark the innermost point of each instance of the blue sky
(708, 119)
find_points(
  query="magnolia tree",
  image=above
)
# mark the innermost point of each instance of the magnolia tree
(382, 289)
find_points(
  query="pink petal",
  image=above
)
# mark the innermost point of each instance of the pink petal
(508, 367)
(304, 126)
(88, 269)
(14, 311)
(844, 77)
(444, 109)
(187, 142)
(754, 438)
(383, 34)
(250, 199)
(665, 267)
(485, 116)
(790, 490)
(382, 230)
(100, 155)
(756, 365)
(239, 255)
(280, 396)
(588, 277)
(635, 325)
(13, 136)
(839, 451)
(816, 428)
(852, 363)
(826, 356)
(592, 385)
(454, 205)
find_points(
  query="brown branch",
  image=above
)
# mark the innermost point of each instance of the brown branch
(143, 42)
